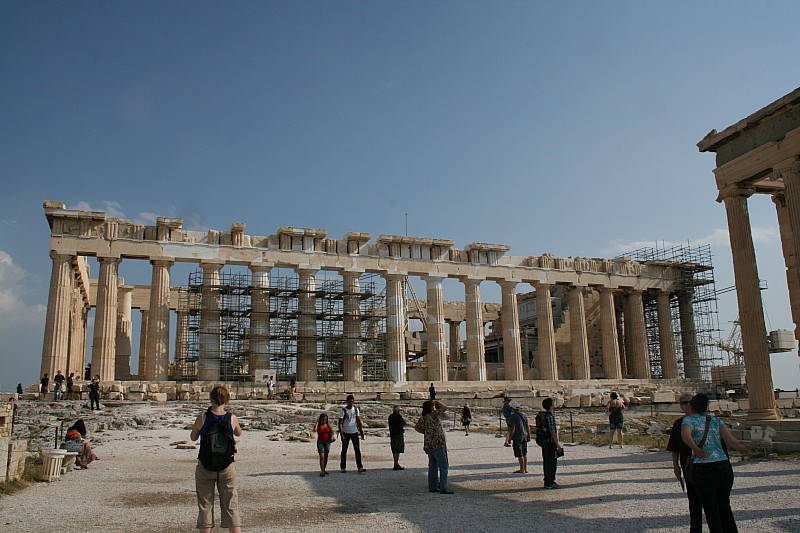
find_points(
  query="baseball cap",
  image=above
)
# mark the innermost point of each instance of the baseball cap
(515, 405)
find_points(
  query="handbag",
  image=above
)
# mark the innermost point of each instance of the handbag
(688, 470)
(331, 437)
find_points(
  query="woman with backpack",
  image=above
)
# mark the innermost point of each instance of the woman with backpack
(215, 428)
(325, 436)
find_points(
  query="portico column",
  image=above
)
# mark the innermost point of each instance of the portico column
(181, 341)
(158, 323)
(751, 315)
(476, 359)
(578, 337)
(210, 339)
(143, 346)
(610, 342)
(546, 353)
(454, 327)
(105, 320)
(790, 259)
(307, 326)
(353, 351)
(640, 356)
(691, 358)
(789, 170)
(76, 360)
(259, 318)
(395, 328)
(437, 347)
(124, 339)
(666, 337)
(56, 328)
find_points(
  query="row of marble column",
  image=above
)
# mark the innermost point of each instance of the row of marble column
(111, 348)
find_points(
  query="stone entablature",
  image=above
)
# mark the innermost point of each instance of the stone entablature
(90, 233)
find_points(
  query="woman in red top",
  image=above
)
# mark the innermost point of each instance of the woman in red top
(325, 436)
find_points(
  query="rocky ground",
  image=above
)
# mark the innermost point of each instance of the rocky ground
(144, 479)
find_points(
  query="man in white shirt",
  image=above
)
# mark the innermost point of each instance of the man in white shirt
(350, 429)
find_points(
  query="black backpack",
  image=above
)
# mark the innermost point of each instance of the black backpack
(542, 433)
(217, 445)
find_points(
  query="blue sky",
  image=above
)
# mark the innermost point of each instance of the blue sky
(563, 127)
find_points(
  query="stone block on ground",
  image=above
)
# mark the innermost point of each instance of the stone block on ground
(113, 395)
(135, 396)
(586, 400)
(17, 451)
(744, 403)
(116, 387)
(157, 396)
(572, 401)
(152, 387)
(389, 396)
(664, 396)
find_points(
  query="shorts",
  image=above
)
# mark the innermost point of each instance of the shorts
(466, 421)
(397, 443)
(520, 448)
(616, 425)
(323, 447)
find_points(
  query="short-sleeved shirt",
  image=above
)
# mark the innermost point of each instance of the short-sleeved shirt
(519, 421)
(551, 425)
(676, 444)
(348, 418)
(396, 424)
(507, 411)
(713, 444)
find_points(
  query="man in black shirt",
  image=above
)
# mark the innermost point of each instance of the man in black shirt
(396, 438)
(680, 454)
(45, 382)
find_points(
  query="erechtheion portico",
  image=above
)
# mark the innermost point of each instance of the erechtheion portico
(760, 155)
(618, 318)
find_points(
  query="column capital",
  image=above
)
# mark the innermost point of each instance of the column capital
(305, 270)
(260, 267)
(109, 259)
(213, 265)
(779, 199)
(788, 168)
(735, 190)
(469, 280)
(434, 276)
(541, 285)
(64, 257)
(508, 283)
(392, 276)
(162, 261)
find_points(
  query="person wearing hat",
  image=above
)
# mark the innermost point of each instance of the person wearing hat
(506, 414)
(519, 433)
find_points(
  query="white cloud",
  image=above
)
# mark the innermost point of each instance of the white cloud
(13, 310)
(148, 219)
(111, 208)
(718, 238)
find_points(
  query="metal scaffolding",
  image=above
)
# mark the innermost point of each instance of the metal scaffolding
(695, 263)
(237, 312)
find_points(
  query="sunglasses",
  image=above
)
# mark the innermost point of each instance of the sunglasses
(685, 403)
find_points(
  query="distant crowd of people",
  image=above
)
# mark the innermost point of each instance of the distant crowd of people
(60, 381)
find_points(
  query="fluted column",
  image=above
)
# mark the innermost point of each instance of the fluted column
(181, 341)
(790, 259)
(209, 335)
(76, 360)
(56, 328)
(666, 337)
(124, 339)
(578, 336)
(105, 320)
(610, 341)
(620, 303)
(691, 357)
(158, 323)
(476, 357)
(641, 355)
(789, 171)
(395, 328)
(454, 327)
(353, 348)
(437, 346)
(143, 347)
(546, 353)
(259, 318)
(751, 315)
(509, 318)
(307, 326)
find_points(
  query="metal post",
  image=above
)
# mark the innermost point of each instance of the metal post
(571, 427)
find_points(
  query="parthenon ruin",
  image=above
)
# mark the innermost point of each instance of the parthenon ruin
(590, 318)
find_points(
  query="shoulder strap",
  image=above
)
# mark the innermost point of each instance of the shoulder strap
(705, 432)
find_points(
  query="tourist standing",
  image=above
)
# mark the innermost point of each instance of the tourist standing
(70, 384)
(325, 436)
(680, 454)
(45, 384)
(551, 447)
(292, 389)
(58, 388)
(19, 388)
(350, 429)
(435, 445)
(466, 418)
(432, 392)
(616, 419)
(505, 414)
(94, 393)
(519, 434)
(397, 436)
(213, 471)
(270, 388)
(712, 473)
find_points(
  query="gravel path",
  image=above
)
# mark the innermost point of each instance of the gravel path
(142, 482)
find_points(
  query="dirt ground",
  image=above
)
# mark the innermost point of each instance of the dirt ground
(143, 482)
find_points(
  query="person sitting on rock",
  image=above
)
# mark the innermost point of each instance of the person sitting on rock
(75, 443)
